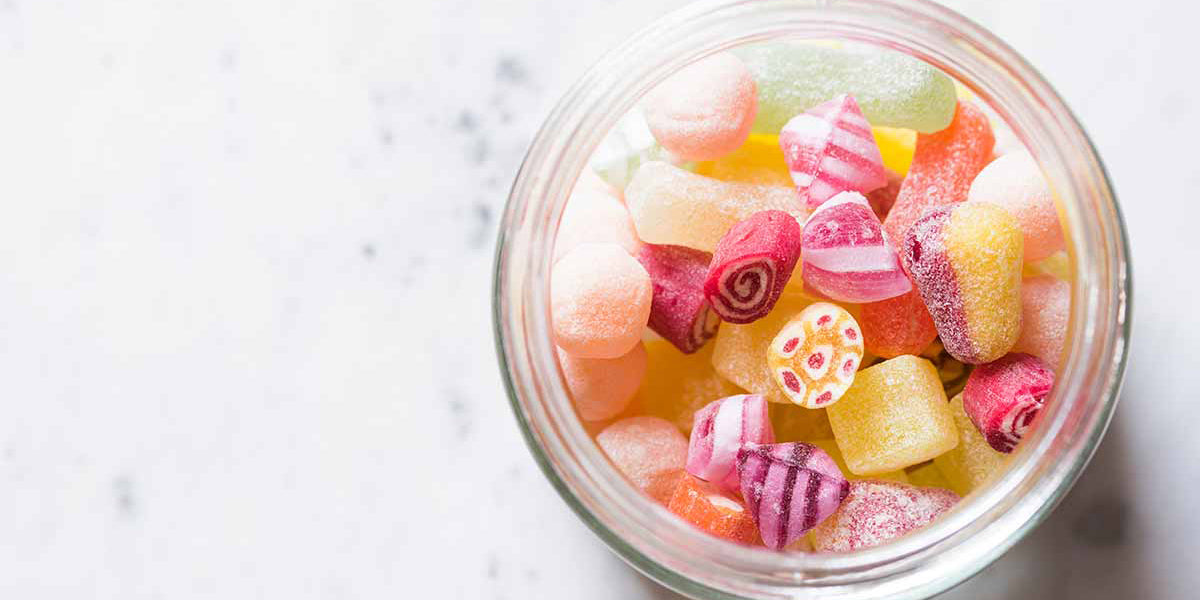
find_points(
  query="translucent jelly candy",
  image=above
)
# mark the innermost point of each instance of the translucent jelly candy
(676, 385)
(1003, 397)
(679, 311)
(894, 415)
(829, 149)
(846, 256)
(707, 507)
(795, 424)
(1015, 183)
(927, 474)
(600, 301)
(815, 355)
(602, 387)
(751, 264)
(971, 463)
(897, 326)
(704, 110)
(882, 199)
(594, 214)
(1045, 309)
(629, 145)
(789, 488)
(719, 430)
(672, 206)
(830, 447)
(942, 168)
(897, 147)
(758, 161)
(966, 262)
(893, 89)
(649, 451)
(876, 512)
(740, 350)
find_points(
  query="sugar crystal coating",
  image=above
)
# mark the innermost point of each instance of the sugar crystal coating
(600, 301)
(677, 385)
(846, 256)
(739, 350)
(1015, 183)
(602, 387)
(1005, 396)
(1045, 310)
(816, 354)
(679, 310)
(829, 149)
(896, 326)
(788, 488)
(973, 462)
(877, 512)
(719, 430)
(751, 266)
(594, 215)
(712, 510)
(649, 451)
(704, 110)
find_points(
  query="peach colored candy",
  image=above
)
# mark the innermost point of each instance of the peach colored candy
(1015, 183)
(815, 356)
(600, 301)
(896, 326)
(1045, 308)
(593, 214)
(603, 387)
(704, 110)
(649, 451)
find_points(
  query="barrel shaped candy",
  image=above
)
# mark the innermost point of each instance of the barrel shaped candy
(816, 354)
(1003, 397)
(846, 256)
(679, 311)
(876, 512)
(719, 431)
(751, 265)
(789, 488)
(830, 149)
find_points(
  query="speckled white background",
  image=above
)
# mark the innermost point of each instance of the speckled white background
(244, 263)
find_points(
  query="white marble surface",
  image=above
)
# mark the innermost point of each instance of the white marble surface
(244, 257)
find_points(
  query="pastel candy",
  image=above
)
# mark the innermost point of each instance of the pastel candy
(676, 385)
(846, 256)
(882, 199)
(672, 206)
(815, 356)
(893, 89)
(740, 351)
(602, 387)
(896, 326)
(973, 462)
(1015, 183)
(789, 488)
(629, 145)
(719, 431)
(594, 215)
(829, 445)
(943, 167)
(712, 510)
(751, 266)
(704, 110)
(894, 415)
(649, 451)
(679, 311)
(1003, 398)
(966, 262)
(758, 161)
(877, 512)
(829, 149)
(1045, 310)
(600, 301)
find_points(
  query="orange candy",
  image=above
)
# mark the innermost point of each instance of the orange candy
(706, 507)
(896, 326)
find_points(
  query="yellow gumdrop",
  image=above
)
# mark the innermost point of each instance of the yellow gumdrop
(678, 384)
(759, 161)
(897, 147)
(973, 462)
(740, 351)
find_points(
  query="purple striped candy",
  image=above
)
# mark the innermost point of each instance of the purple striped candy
(789, 488)
(718, 432)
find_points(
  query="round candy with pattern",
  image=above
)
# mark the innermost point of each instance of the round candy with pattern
(814, 357)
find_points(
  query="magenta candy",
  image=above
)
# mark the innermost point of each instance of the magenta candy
(830, 149)
(1003, 397)
(751, 265)
(876, 512)
(789, 489)
(679, 310)
(718, 433)
(846, 256)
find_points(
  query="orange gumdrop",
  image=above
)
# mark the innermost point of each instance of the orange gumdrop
(896, 326)
(706, 507)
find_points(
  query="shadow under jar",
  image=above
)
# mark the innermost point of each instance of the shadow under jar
(989, 521)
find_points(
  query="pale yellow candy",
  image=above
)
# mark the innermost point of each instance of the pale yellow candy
(1056, 265)
(831, 448)
(897, 147)
(970, 464)
(795, 424)
(740, 351)
(893, 416)
(677, 384)
(927, 474)
(758, 161)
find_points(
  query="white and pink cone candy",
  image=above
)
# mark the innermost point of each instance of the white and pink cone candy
(846, 255)
(830, 149)
(1004, 396)
(719, 431)
(679, 310)
(876, 512)
(789, 489)
(751, 265)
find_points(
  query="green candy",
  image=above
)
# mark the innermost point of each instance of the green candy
(893, 89)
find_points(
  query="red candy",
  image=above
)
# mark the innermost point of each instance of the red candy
(1003, 397)
(751, 265)
(896, 326)
(875, 512)
(789, 488)
(679, 310)
(846, 256)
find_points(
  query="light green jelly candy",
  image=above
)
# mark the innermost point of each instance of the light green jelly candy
(893, 89)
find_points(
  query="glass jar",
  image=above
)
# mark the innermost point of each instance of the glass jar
(989, 521)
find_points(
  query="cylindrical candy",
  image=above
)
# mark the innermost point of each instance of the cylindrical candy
(876, 512)
(707, 507)
(649, 451)
(816, 354)
(603, 387)
(600, 301)
(752, 263)
(704, 110)
(1015, 183)
(966, 262)
(789, 488)
(718, 432)
(846, 257)
(829, 149)
(1003, 397)
(679, 312)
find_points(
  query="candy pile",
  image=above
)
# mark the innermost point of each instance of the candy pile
(818, 310)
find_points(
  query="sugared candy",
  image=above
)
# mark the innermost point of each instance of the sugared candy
(1045, 309)
(1015, 183)
(679, 311)
(846, 256)
(897, 326)
(704, 110)
(712, 510)
(882, 199)
(829, 149)
(718, 432)
(829, 445)
(649, 451)
(971, 463)
(594, 214)
(966, 262)
(758, 161)
(789, 488)
(1003, 397)
(815, 355)
(893, 416)
(752, 263)
(677, 384)
(600, 301)
(602, 387)
(672, 206)
(877, 512)
(740, 351)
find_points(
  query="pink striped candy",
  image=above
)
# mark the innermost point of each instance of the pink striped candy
(718, 432)
(789, 488)
(751, 265)
(830, 149)
(846, 256)
(1003, 397)
(679, 310)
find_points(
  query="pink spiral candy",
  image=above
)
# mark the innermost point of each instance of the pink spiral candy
(679, 310)
(846, 256)
(751, 265)
(1003, 397)
(830, 149)
(876, 512)
(789, 488)
(718, 433)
